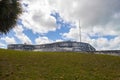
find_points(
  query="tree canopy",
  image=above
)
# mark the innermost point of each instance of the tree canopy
(9, 12)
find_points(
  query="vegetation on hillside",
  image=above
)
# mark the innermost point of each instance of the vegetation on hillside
(20, 65)
(9, 12)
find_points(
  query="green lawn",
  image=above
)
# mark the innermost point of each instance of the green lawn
(21, 65)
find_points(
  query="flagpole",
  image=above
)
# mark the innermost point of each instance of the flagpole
(79, 32)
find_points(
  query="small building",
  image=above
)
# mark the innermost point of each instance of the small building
(57, 46)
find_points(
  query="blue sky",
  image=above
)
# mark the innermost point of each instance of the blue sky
(47, 21)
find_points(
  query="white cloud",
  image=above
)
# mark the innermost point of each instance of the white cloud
(59, 40)
(38, 18)
(97, 17)
(104, 43)
(20, 35)
(96, 14)
(99, 43)
(72, 34)
(42, 40)
(2, 45)
(116, 16)
(114, 43)
(90, 12)
(9, 40)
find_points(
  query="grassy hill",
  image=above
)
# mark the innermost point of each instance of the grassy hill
(21, 65)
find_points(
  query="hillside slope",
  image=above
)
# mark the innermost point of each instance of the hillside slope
(21, 65)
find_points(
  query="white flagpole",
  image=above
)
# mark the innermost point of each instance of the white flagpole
(79, 31)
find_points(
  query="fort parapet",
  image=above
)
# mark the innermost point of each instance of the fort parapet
(57, 46)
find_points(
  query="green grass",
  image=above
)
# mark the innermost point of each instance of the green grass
(21, 65)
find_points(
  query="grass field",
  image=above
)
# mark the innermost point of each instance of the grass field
(21, 65)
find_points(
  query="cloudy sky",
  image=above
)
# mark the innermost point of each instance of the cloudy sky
(47, 21)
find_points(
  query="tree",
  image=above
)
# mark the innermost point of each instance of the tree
(9, 13)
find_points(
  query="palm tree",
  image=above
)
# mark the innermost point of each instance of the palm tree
(9, 12)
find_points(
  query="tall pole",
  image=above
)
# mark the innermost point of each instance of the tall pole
(79, 31)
